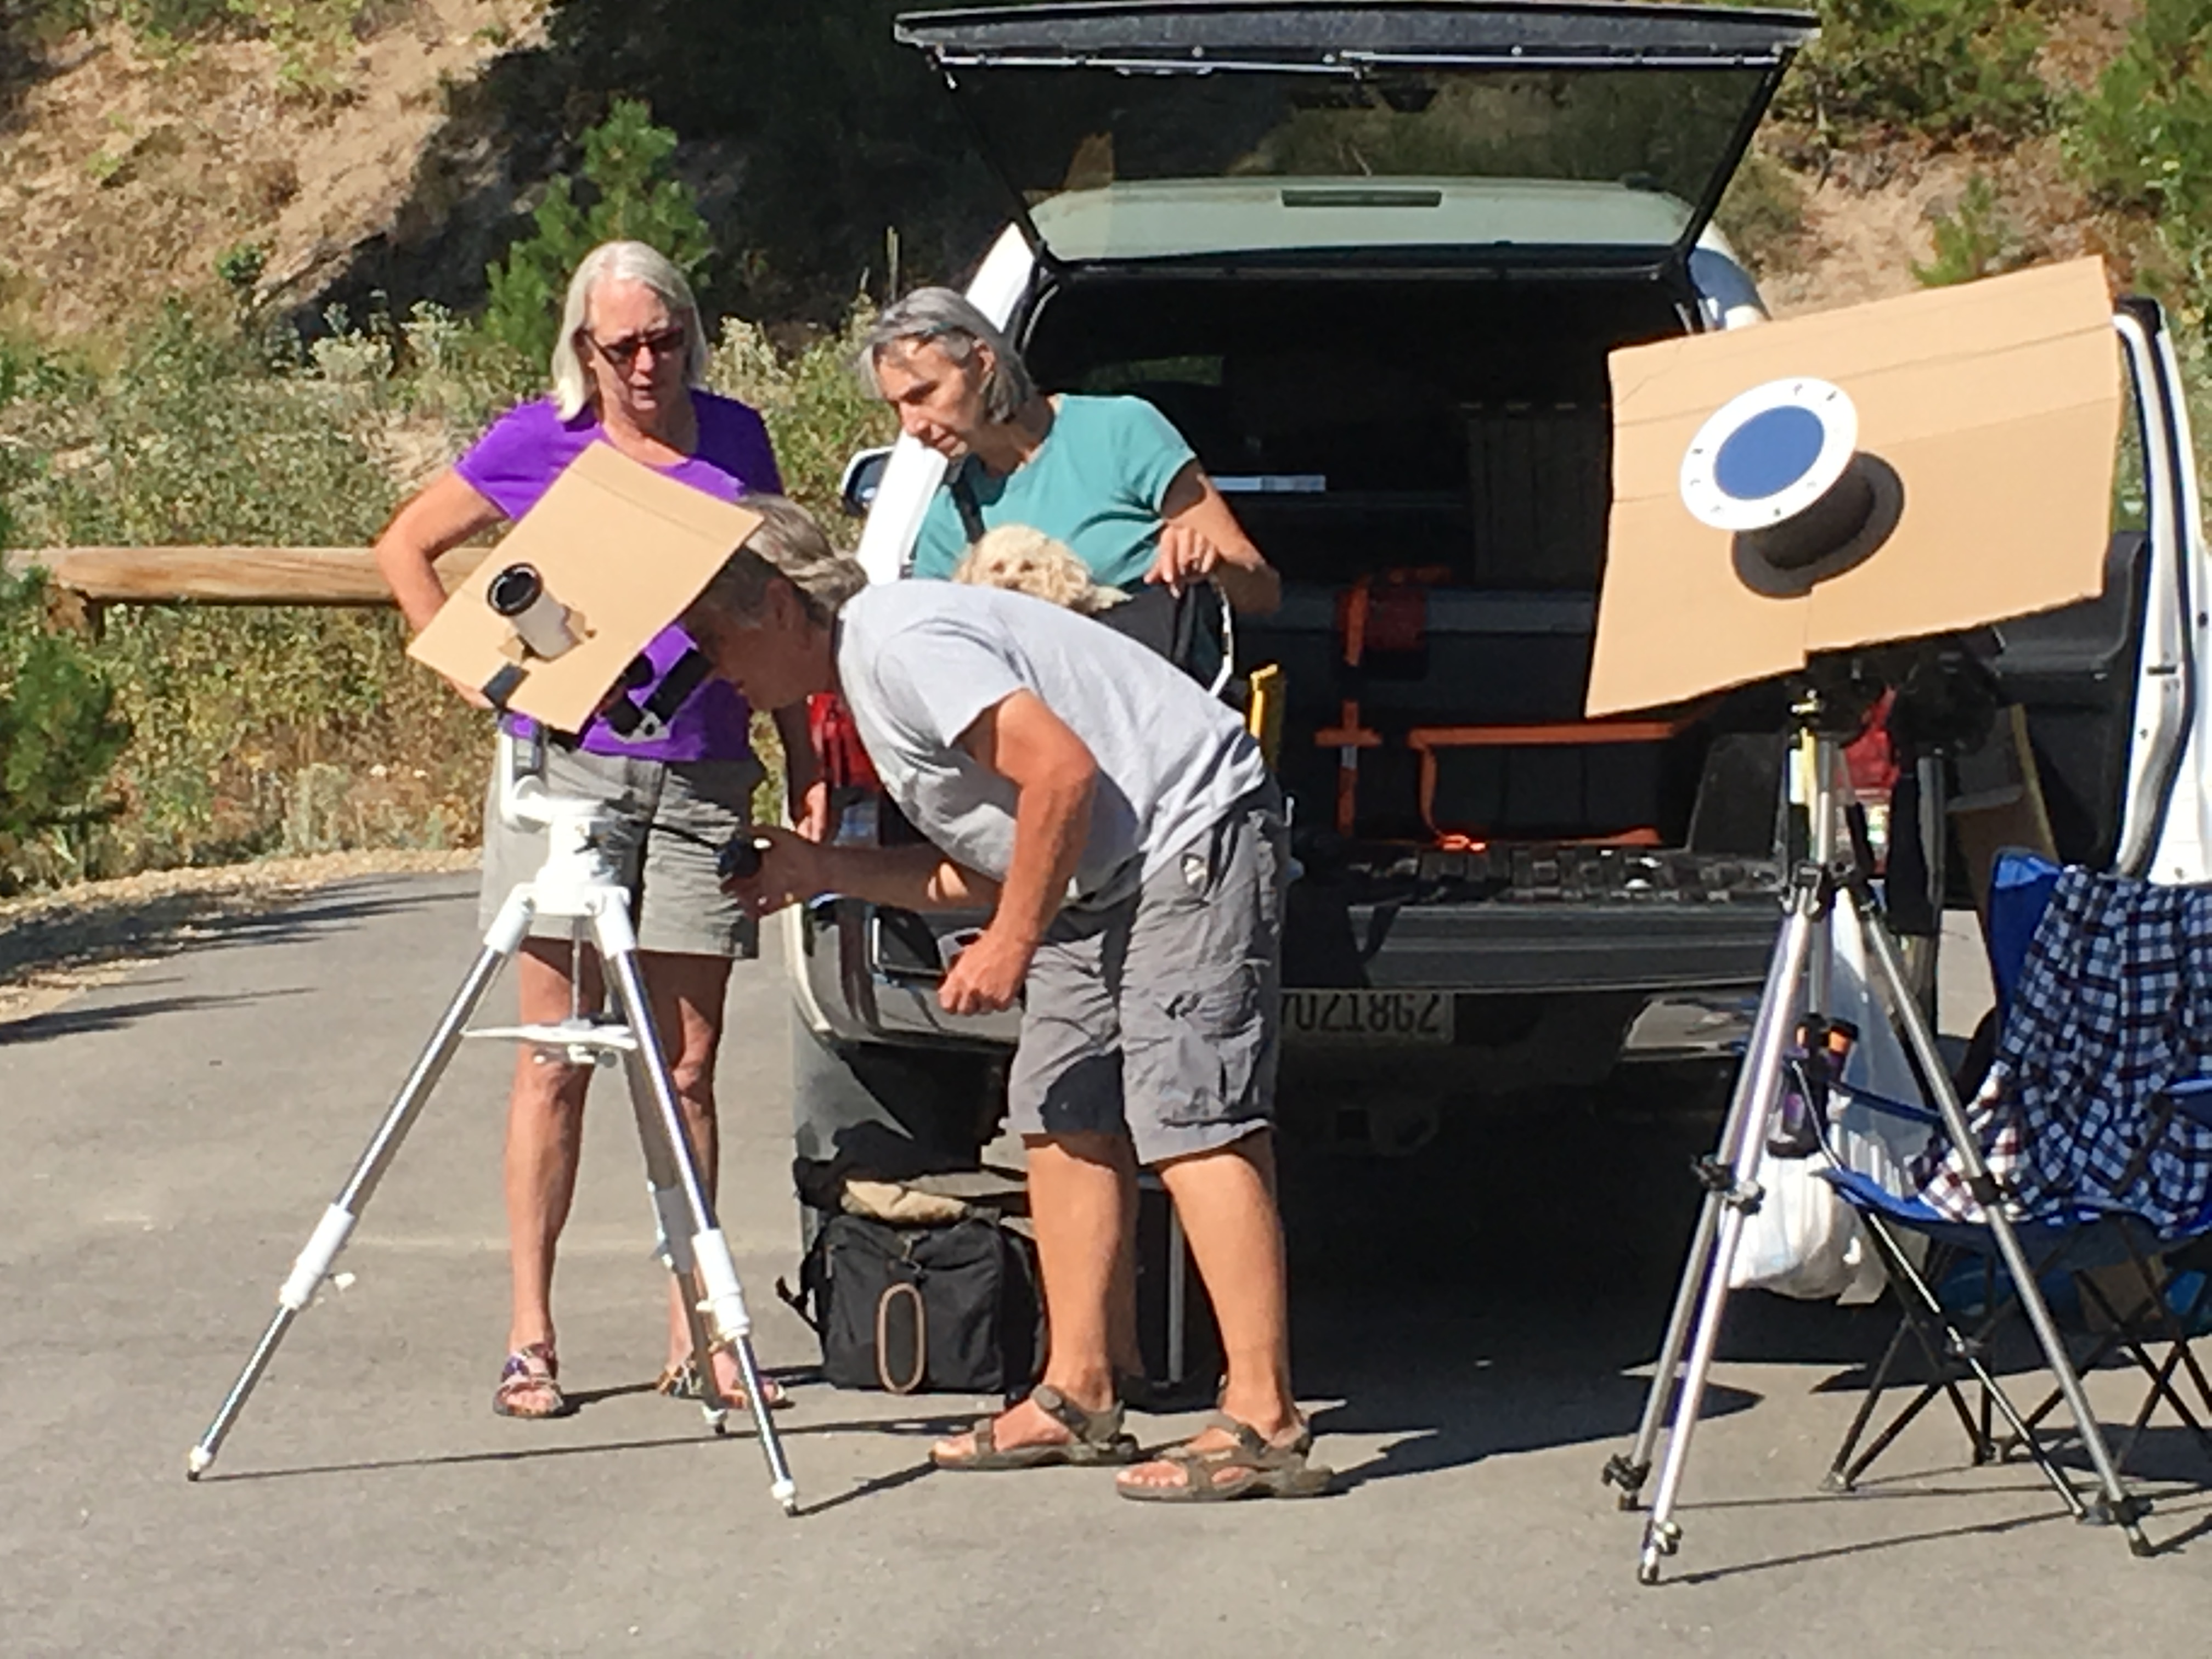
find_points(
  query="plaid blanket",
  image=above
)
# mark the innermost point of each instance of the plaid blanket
(2114, 1007)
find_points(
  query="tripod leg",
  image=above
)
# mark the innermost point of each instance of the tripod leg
(722, 1299)
(1630, 1472)
(313, 1263)
(2118, 1507)
(1762, 1061)
(674, 1221)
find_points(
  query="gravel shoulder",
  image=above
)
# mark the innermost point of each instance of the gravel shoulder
(55, 945)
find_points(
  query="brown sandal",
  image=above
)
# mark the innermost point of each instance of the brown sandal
(681, 1382)
(530, 1369)
(1257, 1467)
(1095, 1438)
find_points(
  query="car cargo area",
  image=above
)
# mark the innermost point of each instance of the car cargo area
(1427, 462)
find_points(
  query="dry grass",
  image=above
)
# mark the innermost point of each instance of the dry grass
(129, 172)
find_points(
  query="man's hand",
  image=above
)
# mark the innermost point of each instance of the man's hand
(792, 870)
(1187, 556)
(987, 976)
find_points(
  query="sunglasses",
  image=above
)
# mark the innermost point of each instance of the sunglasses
(620, 354)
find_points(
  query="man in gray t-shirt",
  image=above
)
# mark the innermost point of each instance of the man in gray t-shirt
(1124, 829)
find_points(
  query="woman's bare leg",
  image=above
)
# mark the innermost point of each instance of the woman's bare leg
(687, 992)
(545, 1140)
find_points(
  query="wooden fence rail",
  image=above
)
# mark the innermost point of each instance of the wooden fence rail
(93, 577)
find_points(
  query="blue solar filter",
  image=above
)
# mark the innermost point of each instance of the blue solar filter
(1769, 452)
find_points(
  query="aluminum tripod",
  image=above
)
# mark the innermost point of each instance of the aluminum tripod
(1801, 960)
(581, 882)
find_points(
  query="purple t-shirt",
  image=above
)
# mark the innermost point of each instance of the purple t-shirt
(530, 446)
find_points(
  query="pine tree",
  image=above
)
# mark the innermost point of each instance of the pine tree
(624, 192)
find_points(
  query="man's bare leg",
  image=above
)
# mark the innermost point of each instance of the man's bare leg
(545, 1140)
(1122, 1346)
(1075, 1200)
(1226, 1200)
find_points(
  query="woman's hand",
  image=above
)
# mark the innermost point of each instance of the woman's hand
(793, 870)
(1187, 556)
(810, 813)
(1202, 540)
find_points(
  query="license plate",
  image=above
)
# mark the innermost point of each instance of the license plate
(1368, 1016)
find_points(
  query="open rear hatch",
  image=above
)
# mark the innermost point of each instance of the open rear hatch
(1143, 130)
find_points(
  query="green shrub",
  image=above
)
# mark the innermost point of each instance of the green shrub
(59, 735)
(1763, 213)
(816, 414)
(1979, 239)
(625, 193)
(258, 730)
(1946, 69)
(2142, 138)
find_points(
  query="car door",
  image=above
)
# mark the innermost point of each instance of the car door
(2112, 688)
(1146, 131)
(2164, 832)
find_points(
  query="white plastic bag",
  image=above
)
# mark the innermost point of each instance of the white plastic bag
(1804, 1241)
(1798, 1242)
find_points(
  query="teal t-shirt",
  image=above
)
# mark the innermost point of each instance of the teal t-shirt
(1095, 484)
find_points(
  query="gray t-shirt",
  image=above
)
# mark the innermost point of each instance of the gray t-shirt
(919, 661)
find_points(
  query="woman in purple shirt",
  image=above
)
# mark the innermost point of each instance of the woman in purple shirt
(626, 370)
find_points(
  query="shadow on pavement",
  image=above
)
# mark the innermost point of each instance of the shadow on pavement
(1506, 1289)
(162, 925)
(929, 1427)
(78, 1021)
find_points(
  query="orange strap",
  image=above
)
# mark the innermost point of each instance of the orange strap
(1558, 734)
(1348, 738)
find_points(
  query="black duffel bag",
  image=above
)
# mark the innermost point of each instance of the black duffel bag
(946, 1309)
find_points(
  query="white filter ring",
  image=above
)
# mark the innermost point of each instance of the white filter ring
(1748, 501)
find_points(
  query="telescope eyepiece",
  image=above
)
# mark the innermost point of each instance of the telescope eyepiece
(515, 590)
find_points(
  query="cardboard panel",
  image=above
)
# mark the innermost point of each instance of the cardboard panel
(1997, 402)
(625, 547)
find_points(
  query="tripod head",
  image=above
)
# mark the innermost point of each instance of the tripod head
(582, 833)
(1943, 700)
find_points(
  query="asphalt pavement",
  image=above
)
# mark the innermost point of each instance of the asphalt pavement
(170, 1138)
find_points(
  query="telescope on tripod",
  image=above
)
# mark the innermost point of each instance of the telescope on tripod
(1846, 500)
(550, 629)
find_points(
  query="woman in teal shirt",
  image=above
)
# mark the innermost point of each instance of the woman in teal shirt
(1108, 476)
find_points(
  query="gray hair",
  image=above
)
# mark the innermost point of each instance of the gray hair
(787, 544)
(621, 262)
(955, 324)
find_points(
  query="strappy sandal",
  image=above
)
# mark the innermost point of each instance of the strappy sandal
(1256, 1468)
(681, 1382)
(531, 1369)
(1095, 1438)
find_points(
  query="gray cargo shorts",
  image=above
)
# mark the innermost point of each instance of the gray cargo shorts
(677, 902)
(1158, 1018)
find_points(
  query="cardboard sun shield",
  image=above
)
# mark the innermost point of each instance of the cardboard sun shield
(623, 547)
(1996, 402)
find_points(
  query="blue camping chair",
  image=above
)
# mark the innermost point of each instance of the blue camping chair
(2117, 1159)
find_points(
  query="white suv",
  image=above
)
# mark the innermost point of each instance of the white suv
(1371, 260)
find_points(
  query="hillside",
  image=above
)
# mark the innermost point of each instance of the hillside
(128, 171)
(395, 147)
